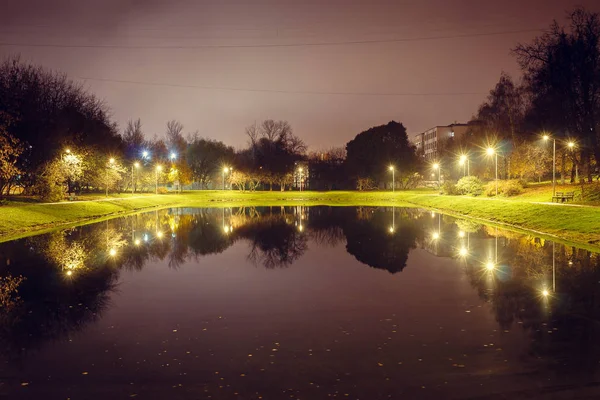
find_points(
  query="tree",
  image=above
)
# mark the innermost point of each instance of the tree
(371, 152)
(273, 151)
(133, 139)
(10, 150)
(562, 72)
(48, 112)
(500, 120)
(206, 159)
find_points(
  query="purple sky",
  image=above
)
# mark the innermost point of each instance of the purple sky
(462, 69)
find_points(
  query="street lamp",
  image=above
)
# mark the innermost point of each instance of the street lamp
(173, 156)
(136, 165)
(465, 160)
(391, 168)
(225, 170)
(439, 169)
(145, 154)
(158, 169)
(111, 161)
(571, 146)
(301, 175)
(546, 138)
(491, 152)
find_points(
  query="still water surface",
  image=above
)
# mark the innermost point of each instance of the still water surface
(297, 303)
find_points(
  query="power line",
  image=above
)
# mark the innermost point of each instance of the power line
(307, 92)
(271, 45)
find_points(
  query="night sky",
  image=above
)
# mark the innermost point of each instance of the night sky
(217, 66)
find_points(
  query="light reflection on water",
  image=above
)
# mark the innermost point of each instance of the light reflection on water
(277, 302)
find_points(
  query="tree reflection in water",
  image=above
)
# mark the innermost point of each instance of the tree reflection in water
(68, 276)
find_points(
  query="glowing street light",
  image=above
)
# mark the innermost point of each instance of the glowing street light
(545, 293)
(464, 160)
(571, 146)
(172, 156)
(435, 235)
(112, 252)
(301, 177)
(145, 154)
(546, 138)
(68, 151)
(158, 169)
(134, 165)
(463, 252)
(461, 234)
(226, 170)
(490, 266)
(491, 152)
(111, 161)
(439, 169)
(391, 168)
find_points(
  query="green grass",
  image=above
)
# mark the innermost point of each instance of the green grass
(576, 224)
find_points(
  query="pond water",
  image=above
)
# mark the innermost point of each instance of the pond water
(297, 303)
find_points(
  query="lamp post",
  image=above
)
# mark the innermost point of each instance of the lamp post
(465, 160)
(439, 169)
(492, 152)
(301, 175)
(546, 137)
(158, 169)
(571, 146)
(225, 170)
(391, 168)
(111, 161)
(136, 165)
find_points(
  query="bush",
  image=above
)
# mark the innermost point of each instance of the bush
(449, 188)
(511, 188)
(506, 188)
(162, 190)
(470, 185)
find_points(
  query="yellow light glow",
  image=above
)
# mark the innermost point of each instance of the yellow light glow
(463, 252)
(137, 164)
(69, 273)
(463, 159)
(571, 144)
(159, 167)
(490, 151)
(226, 229)
(436, 166)
(68, 151)
(432, 214)
(300, 227)
(490, 266)
(137, 242)
(112, 252)
(461, 234)
(435, 235)
(391, 168)
(225, 169)
(545, 293)
(546, 137)
(391, 229)
(112, 161)
(159, 234)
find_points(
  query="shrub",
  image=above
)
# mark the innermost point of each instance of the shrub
(449, 188)
(506, 188)
(490, 189)
(470, 185)
(365, 184)
(511, 188)
(162, 190)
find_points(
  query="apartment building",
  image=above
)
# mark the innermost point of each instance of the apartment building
(427, 142)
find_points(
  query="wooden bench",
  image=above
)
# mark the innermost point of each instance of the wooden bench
(563, 196)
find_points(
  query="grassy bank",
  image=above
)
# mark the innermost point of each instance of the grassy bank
(571, 223)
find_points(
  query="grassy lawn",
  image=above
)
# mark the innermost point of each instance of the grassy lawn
(579, 224)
